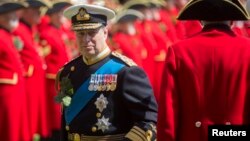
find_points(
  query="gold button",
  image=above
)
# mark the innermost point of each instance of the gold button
(70, 136)
(94, 129)
(98, 115)
(149, 135)
(72, 68)
(44, 66)
(228, 123)
(197, 124)
(67, 128)
(77, 137)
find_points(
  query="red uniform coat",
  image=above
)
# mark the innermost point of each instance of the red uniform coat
(162, 42)
(70, 40)
(130, 46)
(35, 81)
(166, 25)
(150, 44)
(13, 119)
(186, 29)
(206, 81)
(52, 39)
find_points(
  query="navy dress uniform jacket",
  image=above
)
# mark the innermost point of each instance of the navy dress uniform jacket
(130, 112)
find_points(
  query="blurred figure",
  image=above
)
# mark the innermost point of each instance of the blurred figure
(127, 41)
(206, 77)
(163, 20)
(34, 68)
(13, 119)
(69, 38)
(54, 40)
(185, 28)
(239, 27)
(154, 39)
(247, 23)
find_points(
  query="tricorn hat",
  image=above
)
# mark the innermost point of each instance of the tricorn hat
(36, 3)
(129, 15)
(10, 5)
(213, 10)
(57, 6)
(87, 17)
(136, 4)
(157, 3)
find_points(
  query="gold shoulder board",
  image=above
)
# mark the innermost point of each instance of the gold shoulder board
(125, 59)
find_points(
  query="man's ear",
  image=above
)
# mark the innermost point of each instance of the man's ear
(105, 31)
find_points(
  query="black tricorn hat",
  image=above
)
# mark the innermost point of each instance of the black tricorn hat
(10, 5)
(213, 10)
(36, 3)
(57, 6)
(136, 4)
(128, 15)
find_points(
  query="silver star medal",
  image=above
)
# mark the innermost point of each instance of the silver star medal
(101, 103)
(103, 124)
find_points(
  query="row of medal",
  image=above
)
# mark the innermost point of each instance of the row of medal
(102, 82)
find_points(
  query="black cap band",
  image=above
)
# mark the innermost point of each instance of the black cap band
(10, 7)
(35, 3)
(57, 7)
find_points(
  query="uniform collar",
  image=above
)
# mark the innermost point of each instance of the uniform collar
(5, 29)
(97, 58)
(25, 23)
(220, 26)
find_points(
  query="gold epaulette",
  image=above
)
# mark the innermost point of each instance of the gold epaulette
(125, 59)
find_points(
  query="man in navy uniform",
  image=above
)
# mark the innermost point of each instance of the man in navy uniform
(105, 96)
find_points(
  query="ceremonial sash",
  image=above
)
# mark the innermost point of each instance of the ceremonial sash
(82, 96)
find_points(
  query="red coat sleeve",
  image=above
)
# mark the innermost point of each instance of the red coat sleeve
(166, 115)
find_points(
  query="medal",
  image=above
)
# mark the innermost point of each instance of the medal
(77, 137)
(99, 87)
(108, 82)
(108, 87)
(114, 82)
(91, 87)
(104, 83)
(96, 82)
(104, 87)
(95, 87)
(91, 83)
(101, 103)
(113, 87)
(99, 82)
(103, 124)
